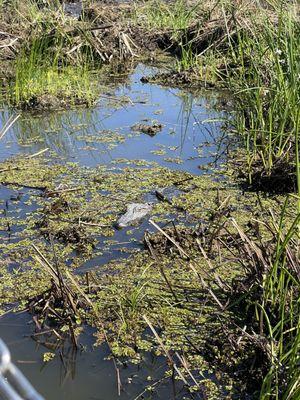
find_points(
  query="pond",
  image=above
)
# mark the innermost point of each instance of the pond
(190, 135)
(189, 138)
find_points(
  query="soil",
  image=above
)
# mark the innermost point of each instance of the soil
(150, 130)
(178, 79)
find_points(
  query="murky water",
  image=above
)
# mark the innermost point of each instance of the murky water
(85, 374)
(190, 139)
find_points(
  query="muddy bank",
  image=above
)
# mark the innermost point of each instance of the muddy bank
(54, 39)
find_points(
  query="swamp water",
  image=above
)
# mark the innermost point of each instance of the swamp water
(189, 139)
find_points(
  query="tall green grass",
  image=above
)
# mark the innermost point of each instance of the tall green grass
(274, 134)
(36, 75)
(157, 14)
(205, 69)
(257, 57)
(267, 84)
(279, 312)
(50, 61)
(61, 36)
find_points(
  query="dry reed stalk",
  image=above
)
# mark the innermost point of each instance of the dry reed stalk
(9, 123)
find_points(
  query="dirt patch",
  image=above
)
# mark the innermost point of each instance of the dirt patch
(178, 79)
(150, 130)
(46, 102)
(279, 180)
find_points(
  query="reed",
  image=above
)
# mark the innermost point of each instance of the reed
(36, 74)
(266, 85)
(279, 312)
(157, 14)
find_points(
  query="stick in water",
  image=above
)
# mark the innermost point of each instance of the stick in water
(8, 125)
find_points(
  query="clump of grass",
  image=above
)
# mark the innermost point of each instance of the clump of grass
(268, 88)
(71, 84)
(162, 15)
(280, 313)
(36, 76)
(269, 303)
(203, 69)
(74, 40)
(55, 53)
(267, 85)
(59, 35)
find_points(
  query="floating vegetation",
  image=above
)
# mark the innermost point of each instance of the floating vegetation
(150, 130)
(73, 207)
(190, 274)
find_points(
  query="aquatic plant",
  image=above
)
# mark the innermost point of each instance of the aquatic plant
(280, 313)
(54, 53)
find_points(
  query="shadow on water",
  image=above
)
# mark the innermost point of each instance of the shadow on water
(85, 374)
(191, 138)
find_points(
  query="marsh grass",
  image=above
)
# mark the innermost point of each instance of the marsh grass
(58, 35)
(270, 300)
(279, 312)
(267, 86)
(41, 71)
(69, 83)
(257, 56)
(44, 65)
(281, 303)
(162, 15)
(205, 68)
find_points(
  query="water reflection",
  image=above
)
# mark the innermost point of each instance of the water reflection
(85, 374)
(190, 123)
